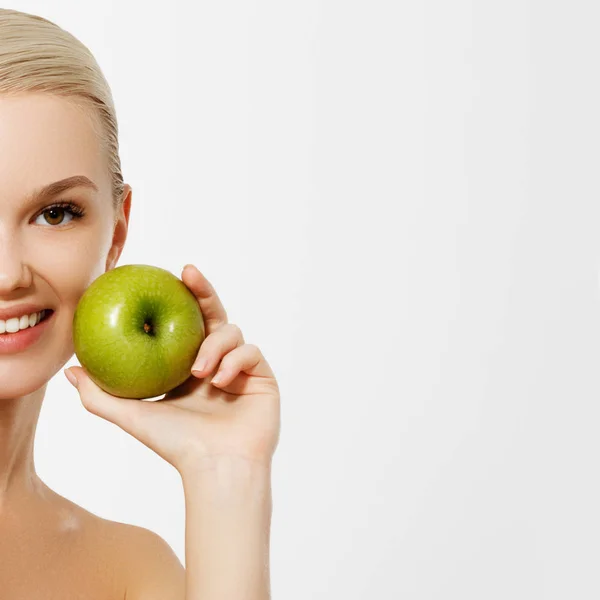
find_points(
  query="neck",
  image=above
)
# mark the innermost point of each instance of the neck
(19, 482)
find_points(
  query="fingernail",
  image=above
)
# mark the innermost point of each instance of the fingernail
(199, 365)
(71, 377)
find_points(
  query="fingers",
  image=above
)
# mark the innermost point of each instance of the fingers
(248, 359)
(210, 304)
(224, 346)
(215, 346)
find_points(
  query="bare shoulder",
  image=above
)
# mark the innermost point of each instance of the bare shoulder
(140, 560)
(150, 567)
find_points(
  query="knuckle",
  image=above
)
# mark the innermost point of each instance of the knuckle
(222, 338)
(234, 333)
(235, 330)
(254, 349)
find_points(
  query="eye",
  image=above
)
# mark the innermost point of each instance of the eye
(56, 213)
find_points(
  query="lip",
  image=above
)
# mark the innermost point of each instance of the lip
(19, 310)
(11, 343)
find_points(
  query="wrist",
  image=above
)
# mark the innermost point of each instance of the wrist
(219, 476)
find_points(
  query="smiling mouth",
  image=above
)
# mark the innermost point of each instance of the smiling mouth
(46, 314)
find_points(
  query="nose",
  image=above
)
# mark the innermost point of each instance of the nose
(14, 273)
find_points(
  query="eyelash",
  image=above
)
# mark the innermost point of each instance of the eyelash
(77, 212)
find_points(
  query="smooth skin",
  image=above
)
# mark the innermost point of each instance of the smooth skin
(220, 437)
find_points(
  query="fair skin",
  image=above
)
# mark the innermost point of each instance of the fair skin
(219, 437)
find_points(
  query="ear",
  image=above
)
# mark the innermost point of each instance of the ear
(120, 231)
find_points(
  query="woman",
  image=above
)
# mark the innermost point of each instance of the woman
(62, 189)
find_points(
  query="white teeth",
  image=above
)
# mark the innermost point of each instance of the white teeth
(15, 324)
(12, 325)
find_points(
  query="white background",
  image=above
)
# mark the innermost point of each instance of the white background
(398, 202)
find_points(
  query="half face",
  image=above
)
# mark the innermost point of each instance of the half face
(54, 240)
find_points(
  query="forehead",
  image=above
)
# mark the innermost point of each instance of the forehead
(44, 138)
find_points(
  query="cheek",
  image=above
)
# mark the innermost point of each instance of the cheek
(69, 261)
(69, 282)
(68, 273)
(73, 260)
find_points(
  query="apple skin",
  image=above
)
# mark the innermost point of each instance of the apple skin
(137, 330)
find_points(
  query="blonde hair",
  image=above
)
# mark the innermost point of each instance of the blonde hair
(37, 55)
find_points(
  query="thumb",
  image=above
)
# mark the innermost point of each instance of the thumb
(123, 412)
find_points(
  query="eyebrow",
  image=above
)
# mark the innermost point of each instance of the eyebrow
(58, 187)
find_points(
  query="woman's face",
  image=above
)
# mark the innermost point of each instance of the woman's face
(49, 257)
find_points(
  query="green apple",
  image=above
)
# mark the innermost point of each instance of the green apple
(137, 330)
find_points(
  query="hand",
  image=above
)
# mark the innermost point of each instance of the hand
(201, 420)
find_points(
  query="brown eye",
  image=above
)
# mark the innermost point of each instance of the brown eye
(55, 213)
